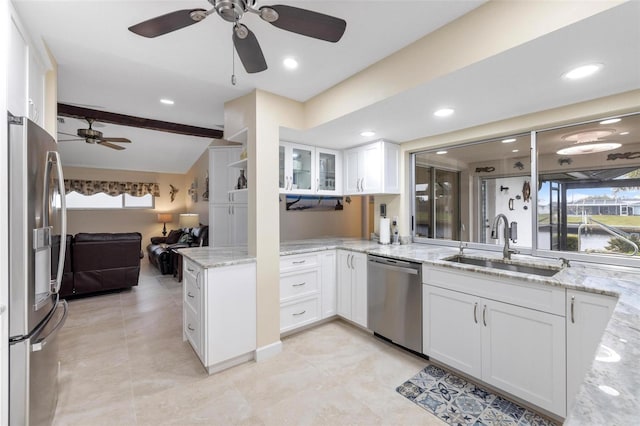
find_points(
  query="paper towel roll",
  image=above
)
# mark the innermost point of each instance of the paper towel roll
(385, 231)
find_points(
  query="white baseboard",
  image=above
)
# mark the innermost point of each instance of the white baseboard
(266, 352)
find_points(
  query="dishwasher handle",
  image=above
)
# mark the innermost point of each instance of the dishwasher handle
(406, 270)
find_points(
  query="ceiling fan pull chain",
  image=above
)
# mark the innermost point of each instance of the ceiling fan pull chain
(233, 65)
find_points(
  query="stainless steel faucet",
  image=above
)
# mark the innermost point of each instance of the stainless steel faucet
(510, 232)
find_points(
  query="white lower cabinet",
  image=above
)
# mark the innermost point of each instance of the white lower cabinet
(352, 286)
(587, 317)
(219, 313)
(307, 289)
(514, 348)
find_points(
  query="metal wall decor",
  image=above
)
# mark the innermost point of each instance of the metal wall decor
(312, 202)
(624, 156)
(205, 194)
(193, 191)
(172, 192)
(519, 165)
(563, 161)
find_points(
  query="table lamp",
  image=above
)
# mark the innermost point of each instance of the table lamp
(164, 218)
(189, 220)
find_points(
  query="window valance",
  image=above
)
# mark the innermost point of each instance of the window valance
(90, 187)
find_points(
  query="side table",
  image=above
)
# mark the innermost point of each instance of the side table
(176, 259)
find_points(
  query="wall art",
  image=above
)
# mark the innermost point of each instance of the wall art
(313, 203)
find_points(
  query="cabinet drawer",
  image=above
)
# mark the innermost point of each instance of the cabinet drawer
(192, 294)
(300, 313)
(308, 260)
(299, 284)
(193, 329)
(191, 269)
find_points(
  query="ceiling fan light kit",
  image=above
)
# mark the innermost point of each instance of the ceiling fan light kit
(299, 21)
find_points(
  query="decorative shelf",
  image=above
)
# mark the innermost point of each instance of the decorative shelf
(241, 164)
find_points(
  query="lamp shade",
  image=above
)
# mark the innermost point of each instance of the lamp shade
(165, 217)
(189, 220)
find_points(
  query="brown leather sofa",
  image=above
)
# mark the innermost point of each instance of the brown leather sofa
(98, 262)
(159, 251)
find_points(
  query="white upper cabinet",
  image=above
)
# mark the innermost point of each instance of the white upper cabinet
(372, 169)
(309, 170)
(297, 168)
(328, 171)
(25, 75)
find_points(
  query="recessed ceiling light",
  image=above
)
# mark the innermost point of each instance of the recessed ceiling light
(508, 140)
(582, 72)
(441, 152)
(367, 133)
(515, 150)
(624, 133)
(167, 101)
(443, 112)
(611, 121)
(588, 148)
(290, 63)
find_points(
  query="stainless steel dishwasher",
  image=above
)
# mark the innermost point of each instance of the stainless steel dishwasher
(394, 301)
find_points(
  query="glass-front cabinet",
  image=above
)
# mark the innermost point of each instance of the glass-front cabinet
(309, 170)
(329, 172)
(297, 168)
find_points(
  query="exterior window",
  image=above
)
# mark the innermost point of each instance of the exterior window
(103, 201)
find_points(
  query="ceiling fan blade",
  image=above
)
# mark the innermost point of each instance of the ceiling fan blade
(66, 134)
(120, 140)
(110, 145)
(307, 22)
(248, 49)
(70, 140)
(167, 23)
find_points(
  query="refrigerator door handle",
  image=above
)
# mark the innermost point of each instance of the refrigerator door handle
(55, 286)
(41, 343)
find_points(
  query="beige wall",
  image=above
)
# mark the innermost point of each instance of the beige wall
(129, 220)
(198, 173)
(301, 225)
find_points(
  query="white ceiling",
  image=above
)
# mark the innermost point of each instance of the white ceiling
(102, 65)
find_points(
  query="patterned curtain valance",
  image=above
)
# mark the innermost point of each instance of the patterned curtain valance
(90, 187)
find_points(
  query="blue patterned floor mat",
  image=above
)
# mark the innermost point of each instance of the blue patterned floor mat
(459, 402)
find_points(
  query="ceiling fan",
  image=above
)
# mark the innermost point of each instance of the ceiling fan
(95, 137)
(300, 21)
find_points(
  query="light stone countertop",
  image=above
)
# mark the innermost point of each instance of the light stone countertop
(622, 335)
(593, 406)
(210, 257)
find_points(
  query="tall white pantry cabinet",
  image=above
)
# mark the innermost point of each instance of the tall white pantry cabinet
(227, 205)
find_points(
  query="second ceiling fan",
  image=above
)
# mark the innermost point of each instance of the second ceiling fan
(294, 19)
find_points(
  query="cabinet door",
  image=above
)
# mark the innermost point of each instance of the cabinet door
(299, 168)
(523, 353)
(328, 172)
(284, 169)
(344, 284)
(220, 225)
(371, 164)
(328, 275)
(352, 179)
(451, 328)
(239, 222)
(391, 178)
(587, 317)
(17, 70)
(359, 289)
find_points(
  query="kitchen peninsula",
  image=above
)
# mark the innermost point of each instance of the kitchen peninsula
(609, 391)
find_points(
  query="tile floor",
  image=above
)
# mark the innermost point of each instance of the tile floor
(123, 362)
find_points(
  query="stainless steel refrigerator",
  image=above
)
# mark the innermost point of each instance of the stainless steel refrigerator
(37, 226)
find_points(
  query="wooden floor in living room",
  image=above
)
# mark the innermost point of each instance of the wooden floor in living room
(123, 362)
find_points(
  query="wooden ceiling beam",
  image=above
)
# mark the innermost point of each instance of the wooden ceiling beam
(66, 110)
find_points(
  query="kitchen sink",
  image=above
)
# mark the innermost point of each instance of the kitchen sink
(545, 271)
